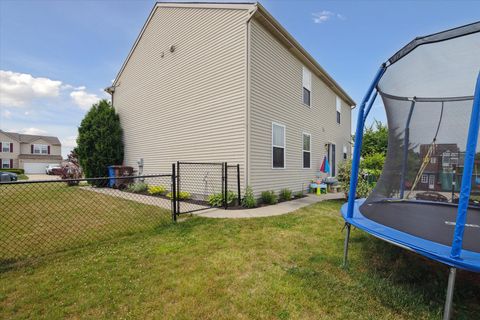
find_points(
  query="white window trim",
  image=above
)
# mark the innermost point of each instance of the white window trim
(40, 149)
(309, 151)
(7, 161)
(338, 108)
(5, 144)
(277, 146)
(308, 85)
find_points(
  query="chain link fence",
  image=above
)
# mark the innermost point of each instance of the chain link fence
(40, 217)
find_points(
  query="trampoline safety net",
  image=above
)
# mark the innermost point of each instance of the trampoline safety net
(427, 91)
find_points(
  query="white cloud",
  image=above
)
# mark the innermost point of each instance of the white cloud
(325, 15)
(69, 142)
(18, 89)
(34, 131)
(83, 99)
(6, 114)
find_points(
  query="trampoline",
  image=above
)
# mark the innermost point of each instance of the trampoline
(427, 198)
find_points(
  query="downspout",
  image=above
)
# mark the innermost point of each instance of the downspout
(247, 94)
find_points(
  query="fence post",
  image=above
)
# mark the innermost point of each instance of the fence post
(177, 196)
(226, 186)
(174, 194)
(238, 185)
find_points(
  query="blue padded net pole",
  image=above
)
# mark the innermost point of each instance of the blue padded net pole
(358, 141)
(467, 174)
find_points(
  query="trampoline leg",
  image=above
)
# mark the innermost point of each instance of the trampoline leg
(447, 313)
(345, 247)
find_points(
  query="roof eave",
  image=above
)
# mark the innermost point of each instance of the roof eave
(304, 55)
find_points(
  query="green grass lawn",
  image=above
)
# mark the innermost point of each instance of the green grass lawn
(48, 217)
(285, 267)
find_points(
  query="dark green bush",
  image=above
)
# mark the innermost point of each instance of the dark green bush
(249, 200)
(99, 140)
(269, 197)
(285, 194)
(14, 170)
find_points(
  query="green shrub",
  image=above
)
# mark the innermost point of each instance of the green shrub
(137, 187)
(157, 190)
(269, 197)
(14, 170)
(182, 195)
(249, 200)
(363, 186)
(216, 200)
(299, 194)
(285, 194)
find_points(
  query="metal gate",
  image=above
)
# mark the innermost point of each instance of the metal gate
(197, 182)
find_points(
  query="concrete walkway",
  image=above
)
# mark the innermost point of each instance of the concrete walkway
(153, 201)
(269, 211)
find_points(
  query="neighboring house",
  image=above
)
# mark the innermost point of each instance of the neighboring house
(30, 152)
(226, 82)
(444, 158)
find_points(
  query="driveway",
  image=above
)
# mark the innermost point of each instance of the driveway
(39, 176)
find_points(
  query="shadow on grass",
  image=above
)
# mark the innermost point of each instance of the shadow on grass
(424, 277)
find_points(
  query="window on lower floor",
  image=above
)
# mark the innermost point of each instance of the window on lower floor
(6, 164)
(424, 178)
(278, 145)
(306, 150)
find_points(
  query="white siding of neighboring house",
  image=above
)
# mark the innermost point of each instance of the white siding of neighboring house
(276, 96)
(10, 155)
(26, 147)
(190, 104)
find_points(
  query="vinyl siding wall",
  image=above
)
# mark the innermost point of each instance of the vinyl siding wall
(190, 104)
(276, 96)
(10, 155)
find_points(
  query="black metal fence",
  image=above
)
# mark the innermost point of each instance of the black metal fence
(40, 217)
(201, 185)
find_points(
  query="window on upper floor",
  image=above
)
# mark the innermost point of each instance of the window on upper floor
(307, 86)
(40, 149)
(278, 145)
(306, 150)
(339, 109)
(5, 146)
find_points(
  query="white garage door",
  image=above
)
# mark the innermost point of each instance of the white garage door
(35, 167)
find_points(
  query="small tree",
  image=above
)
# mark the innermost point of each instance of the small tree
(99, 142)
(375, 139)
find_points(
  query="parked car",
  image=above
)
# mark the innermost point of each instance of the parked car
(53, 169)
(8, 176)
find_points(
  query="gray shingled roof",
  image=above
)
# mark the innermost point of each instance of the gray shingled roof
(28, 138)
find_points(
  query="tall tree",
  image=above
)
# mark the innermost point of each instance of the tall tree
(99, 140)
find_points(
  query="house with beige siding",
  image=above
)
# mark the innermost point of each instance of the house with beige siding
(33, 153)
(210, 82)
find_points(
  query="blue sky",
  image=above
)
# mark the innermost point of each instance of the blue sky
(57, 56)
